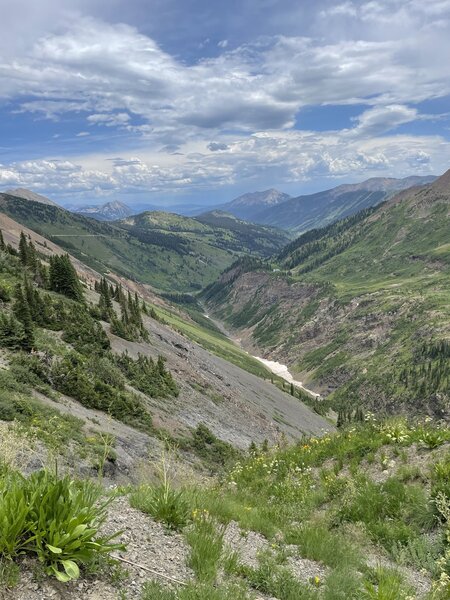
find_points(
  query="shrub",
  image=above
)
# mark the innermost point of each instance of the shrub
(210, 448)
(150, 377)
(12, 333)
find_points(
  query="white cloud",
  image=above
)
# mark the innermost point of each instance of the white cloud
(109, 120)
(387, 55)
(383, 118)
(113, 70)
(289, 157)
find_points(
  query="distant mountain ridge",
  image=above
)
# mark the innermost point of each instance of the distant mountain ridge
(110, 211)
(358, 309)
(249, 205)
(167, 251)
(32, 196)
(322, 208)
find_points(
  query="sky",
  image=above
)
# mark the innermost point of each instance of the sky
(193, 101)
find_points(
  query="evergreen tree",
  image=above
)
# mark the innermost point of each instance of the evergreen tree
(2, 242)
(23, 249)
(64, 279)
(105, 305)
(22, 312)
(12, 334)
(32, 258)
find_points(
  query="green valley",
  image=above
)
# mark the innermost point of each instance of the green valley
(359, 309)
(164, 250)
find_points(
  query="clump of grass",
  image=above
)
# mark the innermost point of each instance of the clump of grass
(387, 585)
(205, 538)
(316, 542)
(274, 580)
(194, 591)
(391, 511)
(162, 501)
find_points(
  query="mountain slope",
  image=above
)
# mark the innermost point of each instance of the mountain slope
(316, 210)
(359, 309)
(32, 196)
(248, 206)
(169, 252)
(217, 230)
(211, 390)
(111, 211)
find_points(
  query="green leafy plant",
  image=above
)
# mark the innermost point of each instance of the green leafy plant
(57, 520)
(433, 438)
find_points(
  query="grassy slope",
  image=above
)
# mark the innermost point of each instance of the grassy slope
(378, 290)
(361, 506)
(166, 251)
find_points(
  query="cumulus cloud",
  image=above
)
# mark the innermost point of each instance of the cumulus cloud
(114, 69)
(382, 55)
(289, 157)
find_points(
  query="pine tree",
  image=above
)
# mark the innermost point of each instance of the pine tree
(12, 333)
(32, 258)
(23, 249)
(64, 278)
(2, 242)
(22, 312)
(104, 303)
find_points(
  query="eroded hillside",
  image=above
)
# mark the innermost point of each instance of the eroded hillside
(236, 406)
(359, 309)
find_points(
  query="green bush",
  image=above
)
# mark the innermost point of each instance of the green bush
(150, 377)
(56, 520)
(213, 451)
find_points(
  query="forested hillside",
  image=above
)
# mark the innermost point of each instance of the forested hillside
(358, 309)
(166, 251)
